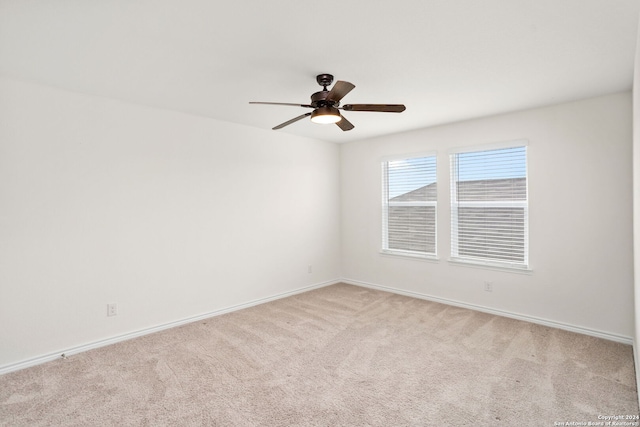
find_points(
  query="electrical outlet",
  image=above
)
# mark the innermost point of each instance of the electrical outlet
(488, 286)
(309, 269)
(112, 310)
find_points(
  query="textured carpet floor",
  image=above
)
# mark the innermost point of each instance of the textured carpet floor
(336, 356)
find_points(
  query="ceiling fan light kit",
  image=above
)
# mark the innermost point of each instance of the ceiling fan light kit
(326, 105)
(325, 115)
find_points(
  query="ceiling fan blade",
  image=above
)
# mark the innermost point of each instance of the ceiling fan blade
(345, 124)
(282, 103)
(339, 90)
(287, 123)
(382, 108)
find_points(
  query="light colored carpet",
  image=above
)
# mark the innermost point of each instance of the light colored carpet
(337, 356)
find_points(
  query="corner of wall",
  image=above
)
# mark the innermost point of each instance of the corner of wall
(636, 208)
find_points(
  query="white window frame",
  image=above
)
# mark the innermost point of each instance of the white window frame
(386, 204)
(455, 204)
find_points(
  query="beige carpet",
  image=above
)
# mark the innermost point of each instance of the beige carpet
(336, 356)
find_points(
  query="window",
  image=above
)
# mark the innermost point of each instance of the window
(409, 206)
(489, 208)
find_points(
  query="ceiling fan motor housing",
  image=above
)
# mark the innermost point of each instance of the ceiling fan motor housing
(319, 99)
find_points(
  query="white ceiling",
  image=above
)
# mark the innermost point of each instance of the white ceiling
(446, 60)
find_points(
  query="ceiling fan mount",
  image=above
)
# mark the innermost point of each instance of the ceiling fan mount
(324, 80)
(326, 104)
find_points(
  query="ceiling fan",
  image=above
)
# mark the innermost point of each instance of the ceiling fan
(326, 105)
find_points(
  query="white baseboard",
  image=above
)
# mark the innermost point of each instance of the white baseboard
(532, 319)
(101, 343)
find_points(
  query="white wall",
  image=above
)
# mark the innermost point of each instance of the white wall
(167, 215)
(580, 188)
(636, 205)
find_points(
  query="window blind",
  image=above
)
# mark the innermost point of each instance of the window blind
(489, 206)
(409, 206)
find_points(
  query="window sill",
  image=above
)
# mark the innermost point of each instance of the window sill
(410, 255)
(491, 266)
